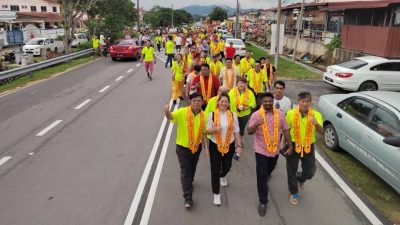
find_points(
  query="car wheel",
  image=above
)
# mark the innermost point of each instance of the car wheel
(368, 86)
(330, 137)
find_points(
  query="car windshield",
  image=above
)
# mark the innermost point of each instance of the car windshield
(125, 42)
(235, 42)
(35, 42)
(353, 64)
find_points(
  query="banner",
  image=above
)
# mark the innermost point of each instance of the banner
(281, 35)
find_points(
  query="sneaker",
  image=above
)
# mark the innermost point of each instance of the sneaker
(223, 181)
(217, 199)
(181, 98)
(174, 102)
(262, 209)
(188, 203)
(294, 199)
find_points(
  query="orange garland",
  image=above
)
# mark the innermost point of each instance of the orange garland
(270, 147)
(212, 68)
(194, 144)
(299, 146)
(244, 100)
(223, 148)
(230, 82)
(206, 96)
(256, 84)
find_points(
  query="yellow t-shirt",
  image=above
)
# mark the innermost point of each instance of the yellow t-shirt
(177, 70)
(158, 39)
(95, 43)
(214, 48)
(251, 101)
(221, 46)
(264, 78)
(169, 47)
(215, 68)
(211, 104)
(182, 134)
(148, 53)
(246, 65)
(303, 124)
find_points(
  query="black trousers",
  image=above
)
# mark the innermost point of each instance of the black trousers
(188, 164)
(307, 165)
(220, 165)
(242, 123)
(158, 47)
(264, 167)
(170, 57)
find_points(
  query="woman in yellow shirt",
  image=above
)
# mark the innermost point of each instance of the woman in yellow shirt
(178, 70)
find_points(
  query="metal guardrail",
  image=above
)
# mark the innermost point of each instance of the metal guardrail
(36, 66)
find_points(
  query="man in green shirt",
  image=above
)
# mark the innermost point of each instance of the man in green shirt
(96, 45)
(191, 125)
(169, 51)
(158, 40)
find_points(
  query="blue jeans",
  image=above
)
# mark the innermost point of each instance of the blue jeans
(170, 57)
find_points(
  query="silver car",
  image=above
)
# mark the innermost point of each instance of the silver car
(367, 125)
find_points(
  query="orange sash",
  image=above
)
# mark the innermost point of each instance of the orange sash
(270, 147)
(243, 103)
(257, 84)
(206, 96)
(230, 82)
(212, 68)
(299, 146)
(223, 147)
(194, 143)
(271, 73)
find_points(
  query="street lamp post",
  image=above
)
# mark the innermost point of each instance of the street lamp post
(278, 25)
(172, 22)
(237, 19)
(138, 16)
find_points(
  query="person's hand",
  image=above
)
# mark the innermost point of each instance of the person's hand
(166, 107)
(207, 152)
(239, 150)
(173, 77)
(289, 151)
(314, 121)
(217, 129)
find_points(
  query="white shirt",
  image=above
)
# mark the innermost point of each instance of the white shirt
(284, 104)
(223, 123)
(222, 75)
(178, 40)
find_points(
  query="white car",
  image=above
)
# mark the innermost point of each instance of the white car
(238, 44)
(79, 39)
(367, 73)
(35, 46)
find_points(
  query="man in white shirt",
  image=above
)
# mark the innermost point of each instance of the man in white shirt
(281, 102)
(178, 43)
(228, 74)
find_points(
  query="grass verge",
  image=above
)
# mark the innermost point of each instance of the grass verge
(286, 69)
(43, 74)
(381, 195)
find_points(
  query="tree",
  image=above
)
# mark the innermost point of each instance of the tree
(111, 17)
(71, 10)
(161, 17)
(218, 14)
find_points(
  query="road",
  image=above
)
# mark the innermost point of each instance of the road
(84, 148)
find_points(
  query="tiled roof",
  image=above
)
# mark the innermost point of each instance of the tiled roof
(47, 16)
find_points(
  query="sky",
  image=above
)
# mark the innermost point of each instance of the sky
(148, 4)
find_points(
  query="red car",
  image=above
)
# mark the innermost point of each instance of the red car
(126, 48)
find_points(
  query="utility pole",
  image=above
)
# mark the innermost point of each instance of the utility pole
(237, 19)
(299, 26)
(172, 15)
(278, 26)
(138, 16)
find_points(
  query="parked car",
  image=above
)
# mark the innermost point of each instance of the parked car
(367, 73)
(35, 46)
(79, 38)
(238, 44)
(126, 48)
(226, 36)
(367, 125)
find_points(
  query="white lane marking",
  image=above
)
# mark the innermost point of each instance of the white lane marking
(157, 174)
(137, 64)
(129, 71)
(31, 153)
(4, 159)
(119, 78)
(83, 104)
(104, 89)
(47, 129)
(350, 193)
(145, 175)
(164, 60)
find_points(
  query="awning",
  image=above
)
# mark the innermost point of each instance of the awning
(334, 6)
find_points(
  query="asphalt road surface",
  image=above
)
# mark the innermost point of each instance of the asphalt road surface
(91, 146)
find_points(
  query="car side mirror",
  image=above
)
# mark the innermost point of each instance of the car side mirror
(393, 141)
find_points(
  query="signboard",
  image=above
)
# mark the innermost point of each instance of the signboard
(7, 16)
(273, 44)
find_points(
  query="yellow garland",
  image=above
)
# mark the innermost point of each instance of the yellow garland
(231, 81)
(299, 147)
(206, 96)
(194, 143)
(212, 68)
(244, 100)
(270, 147)
(223, 148)
(256, 84)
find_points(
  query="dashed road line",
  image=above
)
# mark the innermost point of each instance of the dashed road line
(47, 129)
(129, 71)
(83, 104)
(119, 78)
(104, 89)
(4, 159)
(137, 65)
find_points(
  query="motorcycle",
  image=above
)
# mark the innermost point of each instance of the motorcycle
(104, 50)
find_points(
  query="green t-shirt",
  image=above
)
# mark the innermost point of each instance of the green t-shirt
(303, 124)
(251, 101)
(264, 78)
(177, 69)
(148, 53)
(169, 47)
